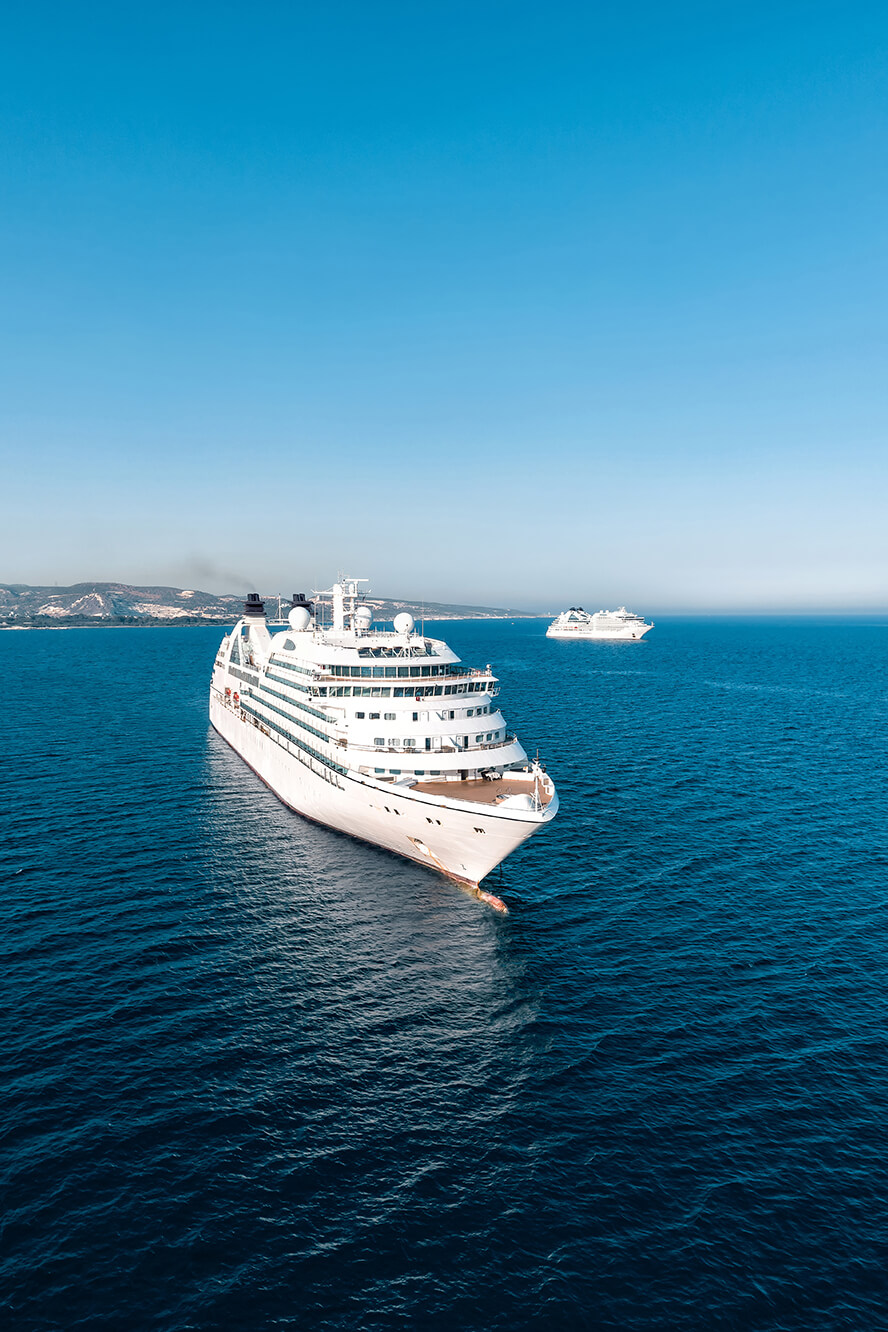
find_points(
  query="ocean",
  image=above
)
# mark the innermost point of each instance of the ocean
(256, 1075)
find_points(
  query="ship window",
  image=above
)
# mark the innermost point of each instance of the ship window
(391, 672)
(390, 716)
(416, 716)
(478, 739)
(393, 744)
(435, 772)
(489, 734)
(379, 740)
(428, 820)
(403, 672)
(410, 743)
(379, 769)
(396, 772)
(374, 716)
(378, 672)
(360, 714)
(289, 645)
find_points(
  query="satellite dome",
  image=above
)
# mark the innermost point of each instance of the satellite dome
(299, 618)
(362, 617)
(404, 623)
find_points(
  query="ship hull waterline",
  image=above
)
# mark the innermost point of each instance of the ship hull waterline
(598, 638)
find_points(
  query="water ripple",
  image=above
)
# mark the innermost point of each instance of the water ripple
(258, 1075)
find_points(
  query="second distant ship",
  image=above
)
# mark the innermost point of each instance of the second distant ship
(619, 625)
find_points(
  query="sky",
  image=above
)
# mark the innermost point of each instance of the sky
(498, 303)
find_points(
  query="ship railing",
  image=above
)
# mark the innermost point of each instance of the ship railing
(408, 681)
(510, 739)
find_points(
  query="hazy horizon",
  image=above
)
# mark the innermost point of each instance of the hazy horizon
(537, 309)
(551, 606)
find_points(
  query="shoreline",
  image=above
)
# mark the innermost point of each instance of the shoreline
(223, 624)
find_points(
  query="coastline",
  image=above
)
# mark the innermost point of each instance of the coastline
(222, 624)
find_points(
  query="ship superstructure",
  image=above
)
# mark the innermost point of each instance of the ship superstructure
(380, 733)
(619, 624)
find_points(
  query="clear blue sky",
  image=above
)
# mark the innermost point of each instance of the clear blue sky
(494, 302)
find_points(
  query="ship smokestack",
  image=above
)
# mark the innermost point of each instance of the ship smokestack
(254, 606)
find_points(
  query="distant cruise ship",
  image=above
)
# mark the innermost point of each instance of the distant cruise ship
(380, 733)
(619, 624)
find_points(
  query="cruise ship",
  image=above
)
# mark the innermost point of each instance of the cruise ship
(619, 624)
(378, 732)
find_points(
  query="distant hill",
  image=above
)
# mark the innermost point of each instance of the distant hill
(119, 603)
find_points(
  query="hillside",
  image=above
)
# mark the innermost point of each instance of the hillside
(119, 603)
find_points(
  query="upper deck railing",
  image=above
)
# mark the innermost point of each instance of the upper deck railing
(417, 753)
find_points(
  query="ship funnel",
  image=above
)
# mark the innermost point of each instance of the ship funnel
(254, 606)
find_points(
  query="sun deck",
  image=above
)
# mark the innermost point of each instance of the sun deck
(483, 792)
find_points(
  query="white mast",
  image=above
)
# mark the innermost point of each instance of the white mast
(345, 593)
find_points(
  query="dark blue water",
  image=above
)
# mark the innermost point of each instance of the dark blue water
(256, 1075)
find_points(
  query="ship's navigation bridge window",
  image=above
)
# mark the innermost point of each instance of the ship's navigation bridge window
(396, 672)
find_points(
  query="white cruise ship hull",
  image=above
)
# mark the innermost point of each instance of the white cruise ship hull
(464, 839)
(602, 635)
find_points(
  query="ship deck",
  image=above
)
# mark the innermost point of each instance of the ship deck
(483, 792)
